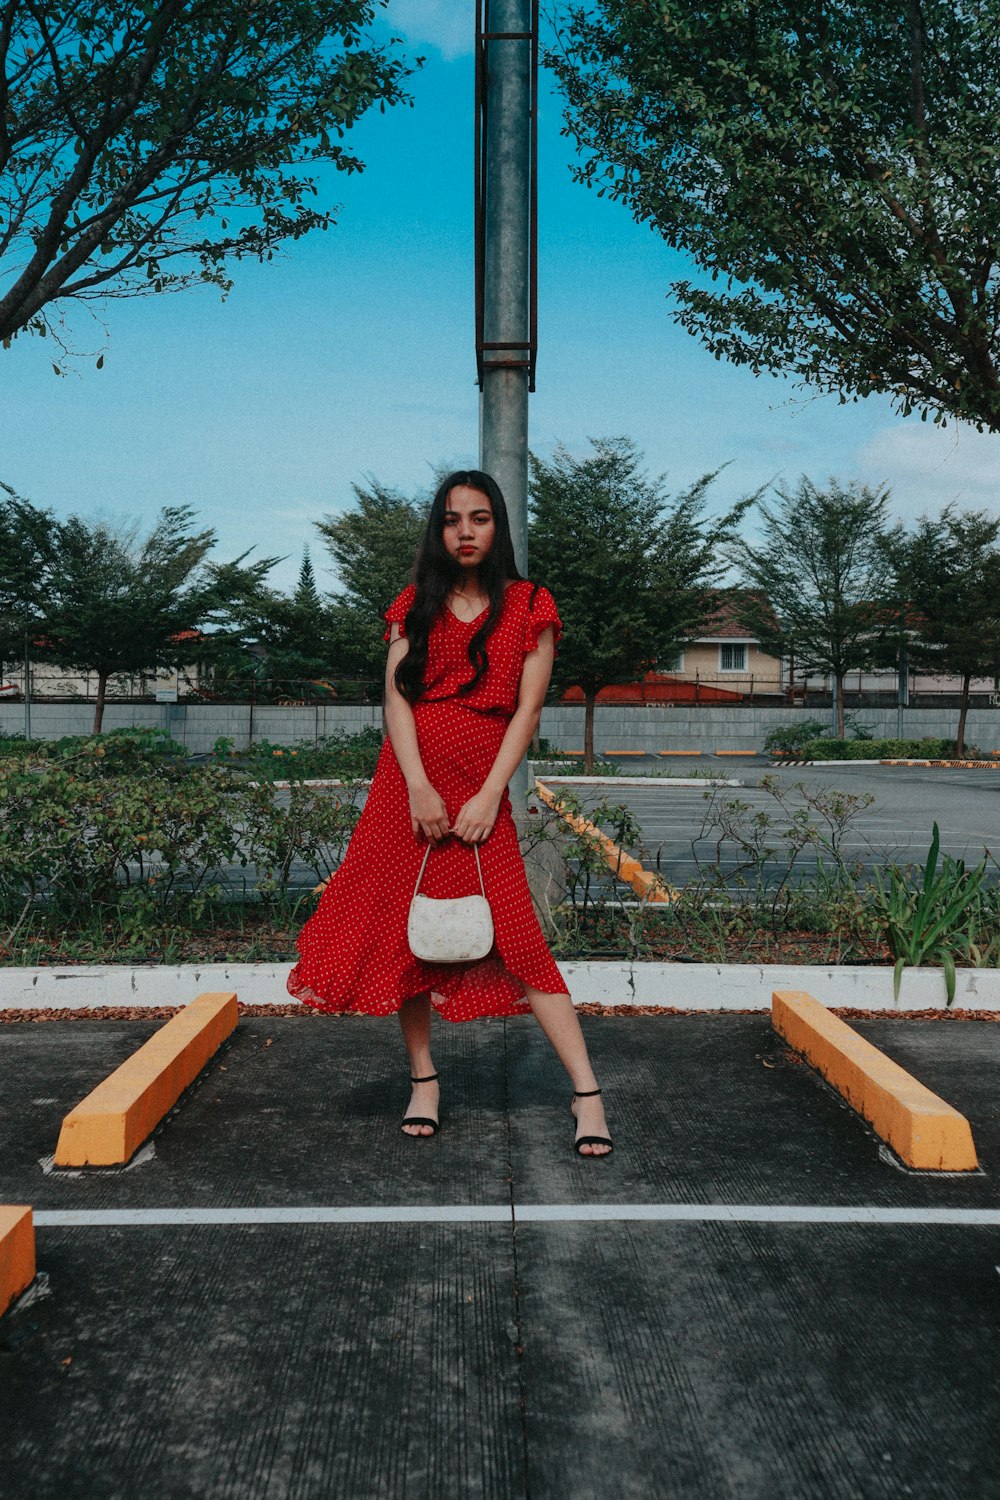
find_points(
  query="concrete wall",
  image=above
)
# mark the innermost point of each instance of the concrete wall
(197, 726)
(742, 727)
(684, 727)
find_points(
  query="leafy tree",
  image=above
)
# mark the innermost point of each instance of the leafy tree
(110, 601)
(146, 145)
(819, 578)
(633, 576)
(948, 571)
(25, 549)
(373, 547)
(834, 165)
(294, 632)
(306, 596)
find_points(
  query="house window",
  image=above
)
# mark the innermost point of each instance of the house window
(733, 658)
(672, 663)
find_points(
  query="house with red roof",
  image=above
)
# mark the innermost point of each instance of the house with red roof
(723, 663)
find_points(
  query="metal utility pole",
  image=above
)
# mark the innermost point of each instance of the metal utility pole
(506, 191)
(27, 685)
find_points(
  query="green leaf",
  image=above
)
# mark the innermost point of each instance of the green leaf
(897, 977)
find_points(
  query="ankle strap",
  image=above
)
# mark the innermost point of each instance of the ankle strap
(429, 1079)
(588, 1094)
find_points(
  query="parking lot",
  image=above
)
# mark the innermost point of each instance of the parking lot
(677, 827)
(282, 1296)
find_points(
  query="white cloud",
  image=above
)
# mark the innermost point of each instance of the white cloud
(448, 25)
(929, 467)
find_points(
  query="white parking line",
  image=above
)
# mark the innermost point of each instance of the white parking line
(140, 1218)
(525, 1213)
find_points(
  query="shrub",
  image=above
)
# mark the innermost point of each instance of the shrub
(791, 737)
(342, 757)
(931, 912)
(829, 749)
(93, 829)
(16, 744)
(117, 751)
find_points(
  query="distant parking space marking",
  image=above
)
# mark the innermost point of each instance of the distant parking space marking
(896, 829)
(526, 1213)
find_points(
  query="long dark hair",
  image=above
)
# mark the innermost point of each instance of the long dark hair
(435, 574)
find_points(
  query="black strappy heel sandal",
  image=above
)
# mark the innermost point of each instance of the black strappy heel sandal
(421, 1119)
(591, 1140)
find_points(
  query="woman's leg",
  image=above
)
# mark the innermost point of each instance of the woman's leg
(415, 1023)
(561, 1024)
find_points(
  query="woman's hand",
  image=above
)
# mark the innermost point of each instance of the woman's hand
(474, 823)
(428, 814)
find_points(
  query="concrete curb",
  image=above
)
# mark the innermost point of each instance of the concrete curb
(647, 886)
(108, 1126)
(643, 780)
(774, 764)
(926, 1133)
(315, 781)
(951, 765)
(700, 987)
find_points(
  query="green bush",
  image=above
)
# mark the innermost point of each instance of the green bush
(791, 737)
(93, 829)
(342, 757)
(113, 753)
(119, 747)
(830, 749)
(16, 744)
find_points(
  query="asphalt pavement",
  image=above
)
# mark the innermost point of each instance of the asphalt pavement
(683, 833)
(283, 1296)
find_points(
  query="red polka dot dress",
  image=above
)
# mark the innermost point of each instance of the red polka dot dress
(353, 951)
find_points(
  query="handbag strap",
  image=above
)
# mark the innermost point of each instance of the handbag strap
(423, 863)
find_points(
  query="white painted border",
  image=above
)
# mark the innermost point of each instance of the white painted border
(700, 987)
(613, 781)
(524, 1213)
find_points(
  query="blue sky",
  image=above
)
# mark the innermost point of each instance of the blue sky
(353, 355)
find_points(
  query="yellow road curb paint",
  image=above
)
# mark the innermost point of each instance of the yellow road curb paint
(685, 753)
(955, 765)
(17, 1251)
(623, 752)
(734, 752)
(645, 884)
(924, 1131)
(107, 1127)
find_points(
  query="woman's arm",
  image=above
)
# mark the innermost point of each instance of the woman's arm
(428, 814)
(475, 821)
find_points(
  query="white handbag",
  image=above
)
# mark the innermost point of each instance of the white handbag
(451, 930)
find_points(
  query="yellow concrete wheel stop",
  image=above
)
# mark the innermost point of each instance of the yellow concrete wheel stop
(925, 1132)
(17, 1251)
(107, 1127)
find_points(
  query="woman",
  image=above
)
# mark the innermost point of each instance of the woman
(471, 646)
